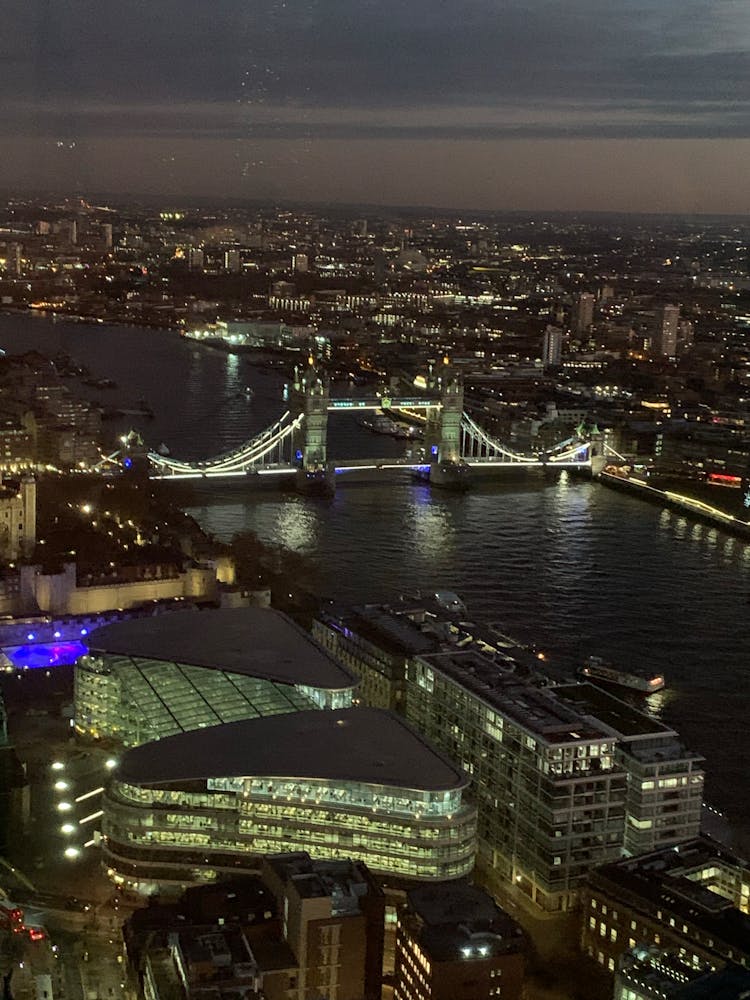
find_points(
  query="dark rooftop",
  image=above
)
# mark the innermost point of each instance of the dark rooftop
(459, 921)
(623, 719)
(258, 642)
(534, 709)
(661, 880)
(353, 744)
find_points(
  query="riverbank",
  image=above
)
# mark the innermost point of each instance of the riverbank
(680, 500)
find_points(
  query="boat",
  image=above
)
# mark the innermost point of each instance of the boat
(596, 669)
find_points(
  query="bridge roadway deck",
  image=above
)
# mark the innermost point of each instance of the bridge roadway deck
(370, 470)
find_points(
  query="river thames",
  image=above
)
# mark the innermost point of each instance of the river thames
(561, 561)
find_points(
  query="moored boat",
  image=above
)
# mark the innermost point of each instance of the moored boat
(596, 669)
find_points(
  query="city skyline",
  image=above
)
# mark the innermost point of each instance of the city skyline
(496, 107)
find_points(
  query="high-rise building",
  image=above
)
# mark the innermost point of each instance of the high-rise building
(666, 323)
(149, 678)
(106, 231)
(354, 782)
(552, 346)
(691, 899)
(453, 942)
(300, 263)
(685, 335)
(232, 261)
(583, 314)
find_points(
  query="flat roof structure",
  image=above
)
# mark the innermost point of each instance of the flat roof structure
(624, 720)
(534, 709)
(256, 642)
(364, 745)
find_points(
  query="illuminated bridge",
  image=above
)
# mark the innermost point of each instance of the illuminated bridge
(454, 444)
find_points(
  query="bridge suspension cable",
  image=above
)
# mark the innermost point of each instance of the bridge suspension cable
(269, 444)
(476, 443)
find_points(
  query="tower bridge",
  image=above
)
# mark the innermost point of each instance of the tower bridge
(455, 448)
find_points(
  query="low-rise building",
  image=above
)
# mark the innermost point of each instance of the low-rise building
(692, 899)
(652, 974)
(305, 929)
(345, 783)
(453, 942)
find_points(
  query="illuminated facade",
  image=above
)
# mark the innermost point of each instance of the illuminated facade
(146, 679)
(692, 899)
(348, 783)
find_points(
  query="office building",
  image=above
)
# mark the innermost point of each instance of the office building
(153, 677)
(454, 943)
(666, 328)
(692, 900)
(344, 783)
(300, 263)
(652, 974)
(552, 347)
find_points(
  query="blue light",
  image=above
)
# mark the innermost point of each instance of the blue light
(42, 655)
(57, 635)
(298, 455)
(84, 631)
(434, 450)
(30, 636)
(127, 462)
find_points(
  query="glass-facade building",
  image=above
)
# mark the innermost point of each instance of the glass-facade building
(352, 783)
(148, 679)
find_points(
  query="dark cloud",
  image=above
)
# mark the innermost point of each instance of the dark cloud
(76, 73)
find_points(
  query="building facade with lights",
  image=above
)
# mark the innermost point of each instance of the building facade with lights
(146, 679)
(564, 779)
(691, 899)
(342, 783)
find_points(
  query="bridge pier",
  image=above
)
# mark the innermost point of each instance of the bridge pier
(447, 468)
(311, 395)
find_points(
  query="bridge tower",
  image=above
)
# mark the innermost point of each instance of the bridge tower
(310, 399)
(446, 467)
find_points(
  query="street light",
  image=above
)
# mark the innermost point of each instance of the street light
(110, 763)
(68, 828)
(61, 786)
(58, 765)
(64, 807)
(71, 852)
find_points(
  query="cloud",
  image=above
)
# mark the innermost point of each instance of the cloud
(293, 74)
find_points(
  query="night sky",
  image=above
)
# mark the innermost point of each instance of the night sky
(640, 105)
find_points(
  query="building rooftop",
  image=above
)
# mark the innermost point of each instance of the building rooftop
(257, 642)
(625, 721)
(365, 745)
(533, 709)
(671, 879)
(460, 921)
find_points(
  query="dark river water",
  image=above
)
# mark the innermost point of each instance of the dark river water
(565, 562)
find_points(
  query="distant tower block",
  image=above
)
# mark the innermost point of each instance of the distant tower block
(552, 347)
(584, 312)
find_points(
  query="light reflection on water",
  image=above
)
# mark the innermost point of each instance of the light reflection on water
(569, 564)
